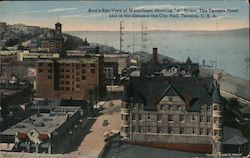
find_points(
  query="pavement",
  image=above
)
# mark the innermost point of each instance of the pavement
(93, 143)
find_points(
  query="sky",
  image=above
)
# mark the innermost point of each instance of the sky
(74, 15)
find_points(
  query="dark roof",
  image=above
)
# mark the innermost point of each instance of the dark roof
(216, 96)
(150, 91)
(68, 102)
(211, 88)
(189, 61)
(232, 136)
(245, 110)
(151, 68)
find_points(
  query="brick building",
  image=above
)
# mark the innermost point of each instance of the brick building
(54, 42)
(70, 78)
(51, 132)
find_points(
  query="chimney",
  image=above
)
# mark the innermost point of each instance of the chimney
(155, 56)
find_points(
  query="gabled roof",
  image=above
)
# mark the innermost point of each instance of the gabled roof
(216, 96)
(193, 91)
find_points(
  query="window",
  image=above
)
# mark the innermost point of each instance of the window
(149, 118)
(181, 118)
(217, 120)
(50, 77)
(141, 129)
(133, 116)
(77, 66)
(170, 117)
(50, 71)
(61, 70)
(170, 130)
(93, 65)
(40, 64)
(133, 129)
(216, 107)
(202, 118)
(67, 76)
(208, 107)
(217, 133)
(67, 88)
(149, 129)
(170, 98)
(61, 76)
(159, 129)
(61, 82)
(140, 117)
(62, 88)
(77, 79)
(83, 71)
(209, 131)
(77, 74)
(83, 65)
(67, 82)
(202, 131)
(93, 71)
(72, 89)
(77, 86)
(161, 106)
(159, 117)
(40, 70)
(179, 108)
(126, 118)
(83, 77)
(208, 119)
(181, 130)
(67, 70)
(49, 64)
(193, 130)
(193, 118)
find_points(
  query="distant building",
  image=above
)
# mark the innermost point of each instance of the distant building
(183, 113)
(111, 72)
(186, 69)
(70, 78)
(54, 42)
(49, 132)
(121, 59)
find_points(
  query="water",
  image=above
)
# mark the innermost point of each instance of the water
(225, 50)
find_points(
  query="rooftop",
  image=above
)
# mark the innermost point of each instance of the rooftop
(45, 123)
(82, 59)
(150, 90)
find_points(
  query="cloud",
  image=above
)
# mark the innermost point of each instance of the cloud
(82, 15)
(61, 9)
(166, 6)
(48, 11)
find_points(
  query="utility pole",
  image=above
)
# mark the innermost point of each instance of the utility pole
(121, 35)
(143, 37)
(133, 38)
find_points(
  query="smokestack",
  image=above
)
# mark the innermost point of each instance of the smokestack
(155, 56)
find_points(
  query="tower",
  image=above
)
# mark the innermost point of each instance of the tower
(121, 35)
(58, 29)
(217, 114)
(125, 114)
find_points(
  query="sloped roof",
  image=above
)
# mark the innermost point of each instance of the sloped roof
(193, 91)
(216, 96)
(232, 136)
(245, 110)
